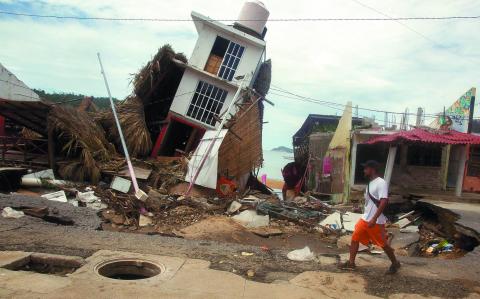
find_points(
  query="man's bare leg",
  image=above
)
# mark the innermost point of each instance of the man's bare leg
(391, 255)
(354, 245)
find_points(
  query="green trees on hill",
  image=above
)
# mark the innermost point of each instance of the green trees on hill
(72, 99)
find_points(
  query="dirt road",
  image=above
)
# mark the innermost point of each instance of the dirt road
(428, 277)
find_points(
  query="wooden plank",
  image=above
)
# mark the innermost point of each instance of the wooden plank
(140, 173)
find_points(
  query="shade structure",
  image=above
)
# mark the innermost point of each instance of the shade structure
(427, 136)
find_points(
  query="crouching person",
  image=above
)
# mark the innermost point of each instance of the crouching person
(371, 227)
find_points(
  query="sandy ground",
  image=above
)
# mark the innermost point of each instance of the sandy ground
(432, 277)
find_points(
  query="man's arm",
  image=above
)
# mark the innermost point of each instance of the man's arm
(381, 207)
(383, 198)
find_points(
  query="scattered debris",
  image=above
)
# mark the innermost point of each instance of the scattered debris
(56, 196)
(144, 221)
(247, 253)
(266, 232)
(234, 207)
(251, 219)
(8, 212)
(121, 184)
(301, 255)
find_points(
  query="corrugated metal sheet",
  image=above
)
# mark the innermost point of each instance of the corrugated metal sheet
(429, 136)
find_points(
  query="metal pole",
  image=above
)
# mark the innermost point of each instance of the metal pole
(124, 145)
(219, 130)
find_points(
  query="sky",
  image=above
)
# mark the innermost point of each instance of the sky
(376, 65)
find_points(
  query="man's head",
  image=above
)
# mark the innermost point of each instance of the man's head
(371, 168)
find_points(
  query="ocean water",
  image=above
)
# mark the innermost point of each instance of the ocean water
(273, 163)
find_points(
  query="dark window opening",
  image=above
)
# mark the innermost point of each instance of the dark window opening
(216, 55)
(365, 152)
(224, 58)
(473, 167)
(424, 155)
(180, 139)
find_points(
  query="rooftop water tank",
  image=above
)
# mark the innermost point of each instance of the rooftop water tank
(253, 10)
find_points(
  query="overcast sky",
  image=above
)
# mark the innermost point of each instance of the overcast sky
(380, 65)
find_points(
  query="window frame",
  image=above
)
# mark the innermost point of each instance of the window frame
(202, 98)
(229, 69)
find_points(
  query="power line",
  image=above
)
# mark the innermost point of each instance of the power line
(429, 18)
(340, 106)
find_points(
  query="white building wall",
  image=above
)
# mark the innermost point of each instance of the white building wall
(207, 35)
(13, 89)
(186, 90)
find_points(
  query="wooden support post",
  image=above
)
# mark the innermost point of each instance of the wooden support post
(191, 140)
(461, 171)
(51, 146)
(354, 160)
(392, 152)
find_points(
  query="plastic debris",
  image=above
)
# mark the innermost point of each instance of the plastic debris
(409, 229)
(8, 212)
(144, 221)
(247, 253)
(56, 196)
(234, 207)
(121, 184)
(301, 255)
(251, 219)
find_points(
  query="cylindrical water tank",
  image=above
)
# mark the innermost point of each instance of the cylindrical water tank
(256, 11)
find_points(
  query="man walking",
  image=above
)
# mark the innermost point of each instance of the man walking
(371, 227)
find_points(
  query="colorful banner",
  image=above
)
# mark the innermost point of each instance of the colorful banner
(456, 116)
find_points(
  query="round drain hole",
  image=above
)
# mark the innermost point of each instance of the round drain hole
(128, 269)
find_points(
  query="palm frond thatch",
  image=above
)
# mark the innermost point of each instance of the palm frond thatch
(83, 139)
(132, 119)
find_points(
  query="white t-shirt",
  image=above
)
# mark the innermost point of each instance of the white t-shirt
(378, 189)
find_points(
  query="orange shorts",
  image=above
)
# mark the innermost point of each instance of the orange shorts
(364, 234)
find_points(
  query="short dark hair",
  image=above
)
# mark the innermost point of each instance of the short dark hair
(372, 164)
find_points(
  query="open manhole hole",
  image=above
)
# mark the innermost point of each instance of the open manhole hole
(128, 269)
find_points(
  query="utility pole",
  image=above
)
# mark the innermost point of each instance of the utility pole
(419, 116)
(470, 115)
(139, 194)
(385, 120)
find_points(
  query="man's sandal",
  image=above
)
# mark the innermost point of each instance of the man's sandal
(393, 268)
(347, 266)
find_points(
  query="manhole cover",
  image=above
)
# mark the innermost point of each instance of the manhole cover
(128, 269)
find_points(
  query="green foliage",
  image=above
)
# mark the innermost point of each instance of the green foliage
(72, 99)
(324, 128)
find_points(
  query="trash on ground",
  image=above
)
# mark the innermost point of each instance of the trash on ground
(301, 255)
(266, 232)
(251, 219)
(244, 253)
(56, 196)
(8, 212)
(120, 184)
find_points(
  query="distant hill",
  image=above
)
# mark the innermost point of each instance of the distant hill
(72, 99)
(282, 149)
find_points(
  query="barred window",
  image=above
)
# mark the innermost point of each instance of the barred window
(206, 103)
(230, 61)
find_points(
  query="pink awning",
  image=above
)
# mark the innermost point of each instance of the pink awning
(428, 136)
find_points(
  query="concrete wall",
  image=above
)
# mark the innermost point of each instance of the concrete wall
(13, 89)
(186, 90)
(207, 35)
(417, 177)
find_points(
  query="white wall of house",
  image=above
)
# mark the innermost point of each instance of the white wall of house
(207, 35)
(186, 90)
(13, 89)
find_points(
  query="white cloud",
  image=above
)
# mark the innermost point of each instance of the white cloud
(379, 65)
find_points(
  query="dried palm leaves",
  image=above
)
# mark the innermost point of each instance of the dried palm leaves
(132, 119)
(83, 139)
(154, 71)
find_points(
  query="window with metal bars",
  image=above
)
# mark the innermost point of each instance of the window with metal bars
(207, 102)
(231, 60)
